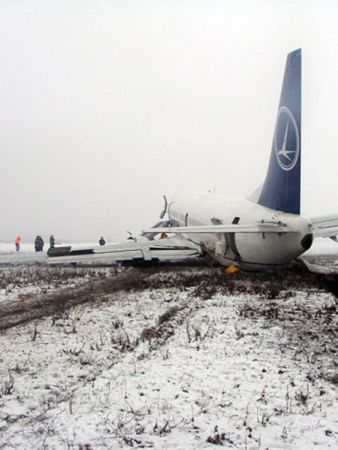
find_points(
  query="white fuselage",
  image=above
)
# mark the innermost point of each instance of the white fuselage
(249, 249)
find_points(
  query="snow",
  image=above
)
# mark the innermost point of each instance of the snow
(183, 358)
(23, 281)
(7, 247)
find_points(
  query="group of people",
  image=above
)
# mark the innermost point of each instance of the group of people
(38, 243)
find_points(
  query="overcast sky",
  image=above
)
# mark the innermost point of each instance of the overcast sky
(107, 105)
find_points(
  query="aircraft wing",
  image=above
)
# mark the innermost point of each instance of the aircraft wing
(325, 226)
(137, 249)
(259, 227)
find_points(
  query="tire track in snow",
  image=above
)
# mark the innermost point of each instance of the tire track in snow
(38, 306)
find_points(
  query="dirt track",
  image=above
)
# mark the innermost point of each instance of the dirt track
(205, 282)
(36, 306)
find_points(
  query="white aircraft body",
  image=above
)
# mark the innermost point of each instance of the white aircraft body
(265, 230)
(255, 235)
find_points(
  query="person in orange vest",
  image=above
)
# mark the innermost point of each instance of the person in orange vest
(17, 242)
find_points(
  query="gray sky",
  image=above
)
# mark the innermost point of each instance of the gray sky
(106, 105)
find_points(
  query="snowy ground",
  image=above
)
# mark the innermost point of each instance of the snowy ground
(167, 358)
(22, 281)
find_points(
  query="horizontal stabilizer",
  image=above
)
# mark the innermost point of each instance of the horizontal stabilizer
(325, 226)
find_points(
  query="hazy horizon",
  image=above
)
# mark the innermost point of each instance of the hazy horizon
(106, 106)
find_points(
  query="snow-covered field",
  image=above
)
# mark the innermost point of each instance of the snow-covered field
(167, 358)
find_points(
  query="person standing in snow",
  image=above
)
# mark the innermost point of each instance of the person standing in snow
(38, 244)
(17, 242)
(51, 241)
(102, 241)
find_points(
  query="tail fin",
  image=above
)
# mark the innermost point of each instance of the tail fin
(281, 189)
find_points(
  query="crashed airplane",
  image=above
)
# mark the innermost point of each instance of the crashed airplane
(264, 231)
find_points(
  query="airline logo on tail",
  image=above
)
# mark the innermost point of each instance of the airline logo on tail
(281, 188)
(286, 139)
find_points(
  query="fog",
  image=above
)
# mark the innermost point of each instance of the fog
(107, 105)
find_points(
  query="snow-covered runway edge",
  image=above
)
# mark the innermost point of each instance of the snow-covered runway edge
(168, 358)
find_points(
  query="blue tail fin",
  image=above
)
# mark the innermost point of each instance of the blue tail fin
(281, 189)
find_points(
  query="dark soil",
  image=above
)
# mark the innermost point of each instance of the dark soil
(204, 282)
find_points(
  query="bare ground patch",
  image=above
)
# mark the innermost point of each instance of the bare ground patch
(204, 282)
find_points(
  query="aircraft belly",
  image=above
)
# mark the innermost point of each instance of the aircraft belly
(269, 249)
